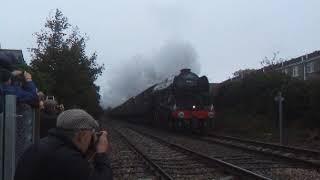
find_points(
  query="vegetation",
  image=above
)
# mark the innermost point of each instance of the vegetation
(270, 61)
(248, 104)
(61, 66)
(243, 72)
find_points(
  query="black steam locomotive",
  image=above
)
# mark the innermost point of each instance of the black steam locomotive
(180, 102)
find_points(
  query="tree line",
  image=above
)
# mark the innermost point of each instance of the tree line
(249, 103)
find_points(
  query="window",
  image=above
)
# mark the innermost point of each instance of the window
(285, 71)
(295, 72)
(310, 67)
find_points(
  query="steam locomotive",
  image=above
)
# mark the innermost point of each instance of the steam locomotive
(180, 103)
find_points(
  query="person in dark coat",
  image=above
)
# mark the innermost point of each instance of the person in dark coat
(63, 154)
(48, 117)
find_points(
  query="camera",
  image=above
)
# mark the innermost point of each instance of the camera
(50, 98)
(18, 78)
(94, 141)
(98, 135)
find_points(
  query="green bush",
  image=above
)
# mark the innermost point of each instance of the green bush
(251, 99)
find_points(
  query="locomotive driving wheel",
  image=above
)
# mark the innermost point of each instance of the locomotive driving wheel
(155, 118)
(189, 126)
(204, 127)
(178, 125)
(170, 123)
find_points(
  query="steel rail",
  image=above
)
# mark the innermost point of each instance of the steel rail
(160, 171)
(225, 166)
(271, 145)
(308, 163)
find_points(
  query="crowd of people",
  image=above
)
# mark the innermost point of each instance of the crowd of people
(71, 145)
(20, 84)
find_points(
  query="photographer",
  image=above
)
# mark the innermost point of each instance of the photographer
(25, 89)
(48, 117)
(41, 98)
(64, 153)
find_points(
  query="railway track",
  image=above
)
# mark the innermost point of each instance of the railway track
(129, 163)
(305, 156)
(266, 165)
(178, 162)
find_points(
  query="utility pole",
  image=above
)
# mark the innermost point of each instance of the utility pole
(280, 99)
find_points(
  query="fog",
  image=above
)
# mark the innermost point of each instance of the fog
(142, 71)
(225, 35)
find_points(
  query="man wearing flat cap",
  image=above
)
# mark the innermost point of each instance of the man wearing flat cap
(63, 154)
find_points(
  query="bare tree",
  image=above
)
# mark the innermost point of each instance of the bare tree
(242, 72)
(270, 61)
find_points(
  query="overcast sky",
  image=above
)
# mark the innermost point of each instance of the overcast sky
(227, 35)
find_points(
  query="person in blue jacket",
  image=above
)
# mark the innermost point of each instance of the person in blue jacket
(25, 92)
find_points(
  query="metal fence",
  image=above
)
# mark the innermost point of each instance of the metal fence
(18, 130)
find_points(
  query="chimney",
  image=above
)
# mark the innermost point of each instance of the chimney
(185, 70)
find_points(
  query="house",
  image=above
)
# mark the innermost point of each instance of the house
(304, 67)
(16, 54)
(214, 88)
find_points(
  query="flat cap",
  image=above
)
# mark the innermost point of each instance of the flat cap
(73, 119)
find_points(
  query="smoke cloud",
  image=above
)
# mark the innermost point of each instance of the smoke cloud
(140, 72)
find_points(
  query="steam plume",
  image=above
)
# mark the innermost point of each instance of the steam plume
(141, 72)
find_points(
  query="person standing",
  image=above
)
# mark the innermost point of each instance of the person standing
(48, 117)
(64, 154)
(26, 93)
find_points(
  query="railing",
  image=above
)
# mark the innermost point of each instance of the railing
(19, 128)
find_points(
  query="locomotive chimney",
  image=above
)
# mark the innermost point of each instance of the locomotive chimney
(185, 70)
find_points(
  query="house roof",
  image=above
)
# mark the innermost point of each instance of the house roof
(303, 57)
(297, 60)
(17, 54)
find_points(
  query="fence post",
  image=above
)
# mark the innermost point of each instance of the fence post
(9, 136)
(36, 126)
(1, 140)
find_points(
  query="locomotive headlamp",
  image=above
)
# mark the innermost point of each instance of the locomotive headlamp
(181, 115)
(193, 107)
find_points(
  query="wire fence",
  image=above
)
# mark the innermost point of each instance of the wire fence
(18, 130)
(24, 129)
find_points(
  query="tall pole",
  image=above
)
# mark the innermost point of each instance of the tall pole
(280, 118)
(280, 99)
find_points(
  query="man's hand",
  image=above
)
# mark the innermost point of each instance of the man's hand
(103, 144)
(16, 72)
(27, 76)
